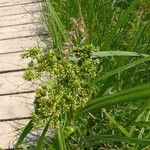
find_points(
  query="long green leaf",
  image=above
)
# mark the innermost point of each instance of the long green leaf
(25, 132)
(143, 123)
(138, 36)
(119, 25)
(61, 140)
(57, 20)
(132, 94)
(123, 93)
(101, 138)
(137, 116)
(114, 122)
(116, 53)
(120, 69)
(41, 139)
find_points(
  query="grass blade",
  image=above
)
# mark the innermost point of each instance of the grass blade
(25, 132)
(132, 94)
(114, 122)
(41, 139)
(120, 69)
(116, 53)
(137, 116)
(112, 138)
(143, 123)
(118, 26)
(57, 20)
(61, 140)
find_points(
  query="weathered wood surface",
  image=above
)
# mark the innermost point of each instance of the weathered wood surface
(19, 19)
(20, 44)
(16, 106)
(12, 61)
(19, 30)
(20, 9)
(6, 3)
(14, 83)
(9, 131)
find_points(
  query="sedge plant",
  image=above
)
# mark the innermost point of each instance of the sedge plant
(95, 89)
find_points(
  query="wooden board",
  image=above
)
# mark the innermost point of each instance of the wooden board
(4, 3)
(19, 44)
(9, 131)
(19, 19)
(12, 61)
(19, 31)
(13, 83)
(19, 9)
(16, 106)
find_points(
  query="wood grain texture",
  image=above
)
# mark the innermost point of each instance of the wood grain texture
(16, 106)
(19, 19)
(20, 44)
(20, 9)
(13, 83)
(9, 131)
(5, 3)
(19, 31)
(12, 61)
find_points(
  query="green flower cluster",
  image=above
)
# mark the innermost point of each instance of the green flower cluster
(66, 81)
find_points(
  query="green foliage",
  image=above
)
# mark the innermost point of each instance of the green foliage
(67, 85)
(24, 134)
(124, 96)
(94, 88)
(42, 137)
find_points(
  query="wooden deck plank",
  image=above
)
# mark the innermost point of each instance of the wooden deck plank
(4, 3)
(20, 9)
(19, 19)
(16, 106)
(19, 23)
(19, 31)
(12, 61)
(19, 44)
(13, 83)
(9, 131)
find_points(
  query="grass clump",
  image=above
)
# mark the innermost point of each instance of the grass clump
(69, 86)
(95, 78)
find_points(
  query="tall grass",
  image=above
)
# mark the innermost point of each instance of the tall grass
(108, 26)
(116, 116)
